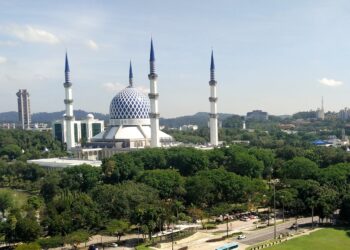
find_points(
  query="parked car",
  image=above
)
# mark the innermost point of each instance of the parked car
(241, 237)
(113, 244)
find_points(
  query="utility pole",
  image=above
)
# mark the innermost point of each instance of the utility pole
(274, 182)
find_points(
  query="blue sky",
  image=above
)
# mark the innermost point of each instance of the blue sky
(279, 56)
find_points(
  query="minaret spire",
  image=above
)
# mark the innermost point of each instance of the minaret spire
(66, 70)
(68, 101)
(131, 76)
(152, 59)
(212, 67)
(213, 123)
(153, 96)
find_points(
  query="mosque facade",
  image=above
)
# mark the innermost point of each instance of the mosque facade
(133, 119)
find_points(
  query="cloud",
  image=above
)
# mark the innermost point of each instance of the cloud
(8, 43)
(116, 87)
(92, 45)
(330, 82)
(111, 86)
(3, 59)
(30, 34)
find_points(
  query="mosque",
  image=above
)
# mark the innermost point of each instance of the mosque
(133, 119)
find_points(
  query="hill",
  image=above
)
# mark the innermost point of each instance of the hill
(201, 119)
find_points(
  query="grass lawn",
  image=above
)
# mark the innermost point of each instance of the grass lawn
(20, 198)
(328, 238)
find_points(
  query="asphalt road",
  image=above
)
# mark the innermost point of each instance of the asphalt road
(254, 237)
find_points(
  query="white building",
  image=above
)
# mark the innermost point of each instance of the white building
(189, 127)
(24, 116)
(83, 130)
(320, 112)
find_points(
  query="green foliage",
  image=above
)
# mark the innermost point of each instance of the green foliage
(51, 242)
(169, 183)
(187, 160)
(70, 211)
(120, 201)
(77, 237)
(29, 246)
(117, 227)
(11, 151)
(121, 167)
(6, 201)
(299, 168)
(27, 230)
(81, 178)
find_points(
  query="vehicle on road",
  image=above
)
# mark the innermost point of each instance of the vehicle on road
(229, 246)
(113, 244)
(241, 237)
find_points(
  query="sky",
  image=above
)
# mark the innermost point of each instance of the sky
(278, 56)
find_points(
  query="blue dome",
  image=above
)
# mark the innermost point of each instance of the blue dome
(129, 103)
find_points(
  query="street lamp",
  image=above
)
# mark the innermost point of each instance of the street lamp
(274, 182)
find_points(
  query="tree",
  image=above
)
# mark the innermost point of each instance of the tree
(299, 168)
(28, 246)
(82, 178)
(247, 165)
(12, 151)
(51, 242)
(285, 198)
(148, 216)
(120, 201)
(77, 237)
(27, 230)
(71, 211)
(169, 182)
(117, 227)
(6, 201)
(187, 160)
(345, 209)
(121, 167)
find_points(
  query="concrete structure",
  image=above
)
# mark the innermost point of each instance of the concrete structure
(153, 96)
(69, 116)
(68, 130)
(83, 130)
(257, 115)
(60, 163)
(189, 127)
(344, 114)
(24, 116)
(214, 138)
(320, 112)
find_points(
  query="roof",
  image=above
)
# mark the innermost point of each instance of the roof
(63, 162)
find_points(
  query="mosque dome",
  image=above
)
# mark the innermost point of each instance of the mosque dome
(129, 103)
(90, 116)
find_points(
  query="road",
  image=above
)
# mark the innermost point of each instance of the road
(254, 237)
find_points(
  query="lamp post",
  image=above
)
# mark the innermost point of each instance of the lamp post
(274, 182)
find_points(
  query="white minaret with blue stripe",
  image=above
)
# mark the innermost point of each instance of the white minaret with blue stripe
(213, 123)
(153, 96)
(69, 116)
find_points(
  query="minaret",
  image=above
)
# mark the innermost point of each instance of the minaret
(213, 105)
(69, 117)
(153, 96)
(131, 77)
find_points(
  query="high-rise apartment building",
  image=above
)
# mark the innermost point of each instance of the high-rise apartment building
(24, 115)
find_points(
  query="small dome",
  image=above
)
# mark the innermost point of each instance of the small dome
(130, 103)
(90, 116)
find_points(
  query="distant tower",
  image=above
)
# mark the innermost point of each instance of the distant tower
(131, 76)
(244, 126)
(320, 112)
(213, 105)
(24, 115)
(153, 96)
(69, 117)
